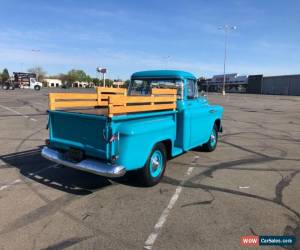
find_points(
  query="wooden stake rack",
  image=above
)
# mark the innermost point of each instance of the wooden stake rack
(116, 100)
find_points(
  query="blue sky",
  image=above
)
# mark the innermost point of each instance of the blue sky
(128, 36)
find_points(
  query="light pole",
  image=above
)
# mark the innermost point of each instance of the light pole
(103, 72)
(35, 51)
(226, 28)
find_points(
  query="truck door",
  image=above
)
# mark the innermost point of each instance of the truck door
(32, 82)
(199, 117)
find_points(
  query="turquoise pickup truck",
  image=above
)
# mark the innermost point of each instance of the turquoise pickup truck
(91, 140)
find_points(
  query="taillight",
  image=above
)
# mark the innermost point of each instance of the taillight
(114, 137)
(47, 142)
(114, 157)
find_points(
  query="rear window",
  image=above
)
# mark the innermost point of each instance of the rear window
(140, 87)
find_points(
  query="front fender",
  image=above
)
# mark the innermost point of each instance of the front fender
(217, 116)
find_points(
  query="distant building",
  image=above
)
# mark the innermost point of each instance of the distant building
(274, 85)
(233, 83)
(83, 84)
(118, 83)
(253, 84)
(52, 82)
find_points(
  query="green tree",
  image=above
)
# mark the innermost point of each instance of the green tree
(88, 79)
(40, 73)
(76, 75)
(5, 75)
(108, 82)
(126, 84)
(96, 81)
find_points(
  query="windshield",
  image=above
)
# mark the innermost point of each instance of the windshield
(143, 86)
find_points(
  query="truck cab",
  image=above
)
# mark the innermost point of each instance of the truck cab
(194, 113)
(34, 84)
(124, 136)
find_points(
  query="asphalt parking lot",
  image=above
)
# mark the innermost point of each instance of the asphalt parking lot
(248, 186)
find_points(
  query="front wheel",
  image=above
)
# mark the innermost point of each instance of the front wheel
(212, 142)
(155, 166)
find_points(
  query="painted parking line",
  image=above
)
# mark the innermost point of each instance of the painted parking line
(43, 169)
(2, 163)
(11, 184)
(31, 174)
(18, 113)
(163, 217)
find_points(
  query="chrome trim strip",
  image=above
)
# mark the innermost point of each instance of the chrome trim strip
(87, 165)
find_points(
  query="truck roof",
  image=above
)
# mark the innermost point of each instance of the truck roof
(163, 74)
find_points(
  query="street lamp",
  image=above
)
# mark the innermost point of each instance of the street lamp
(103, 72)
(35, 51)
(226, 28)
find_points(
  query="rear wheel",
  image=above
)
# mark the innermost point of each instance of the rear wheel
(211, 144)
(5, 87)
(37, 87)
(155, 166)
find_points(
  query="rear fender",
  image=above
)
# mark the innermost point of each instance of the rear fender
(137, 138)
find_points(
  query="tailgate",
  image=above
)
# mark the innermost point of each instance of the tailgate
(80, 131)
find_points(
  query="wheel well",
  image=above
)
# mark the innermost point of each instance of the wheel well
(218, 124)
(168, 145)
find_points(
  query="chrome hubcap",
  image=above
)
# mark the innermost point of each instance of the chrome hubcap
(155, 163)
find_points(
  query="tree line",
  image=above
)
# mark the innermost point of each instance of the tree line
(74, 75)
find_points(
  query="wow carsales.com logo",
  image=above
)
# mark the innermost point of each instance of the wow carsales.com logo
(253, 240)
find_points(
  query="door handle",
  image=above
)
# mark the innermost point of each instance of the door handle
(212, 111)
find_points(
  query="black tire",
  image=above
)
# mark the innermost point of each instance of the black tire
(5, 87)
(11, 88)
(151, 174)
(212, 142)
(37, 87)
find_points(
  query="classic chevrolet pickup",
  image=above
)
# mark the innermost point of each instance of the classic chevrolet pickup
(116, 130)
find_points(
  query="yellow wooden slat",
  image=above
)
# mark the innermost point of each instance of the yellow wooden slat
(104, 93)
(75, 104)
(118, 100)
(73, 96)
(111, 90)
(139, 108)
(156, 91)
(51, 101)
(102, 103)
(105, 96)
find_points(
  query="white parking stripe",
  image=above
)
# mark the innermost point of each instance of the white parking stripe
(8, 185)
(43, 169)
(16, 112)
(163, 218)
(31, 174)
(2, 163)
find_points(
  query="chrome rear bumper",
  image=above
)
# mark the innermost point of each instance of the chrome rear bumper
(87, 165)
